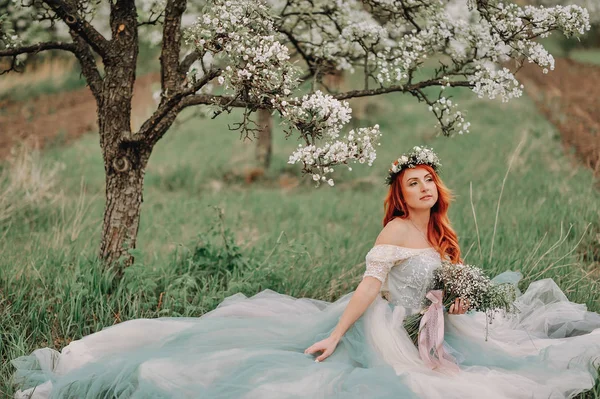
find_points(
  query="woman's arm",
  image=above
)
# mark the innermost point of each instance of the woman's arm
(363, 296)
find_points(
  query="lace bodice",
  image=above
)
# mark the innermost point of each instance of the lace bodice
(406, 273)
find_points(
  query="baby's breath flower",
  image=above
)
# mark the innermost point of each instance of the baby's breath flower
(470, 283)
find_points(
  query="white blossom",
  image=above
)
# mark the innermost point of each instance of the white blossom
(240, 35)
(356, 146)
(489, 82)
(322, 113)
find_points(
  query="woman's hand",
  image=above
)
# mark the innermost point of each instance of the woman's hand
(460, 306)
(327, 346)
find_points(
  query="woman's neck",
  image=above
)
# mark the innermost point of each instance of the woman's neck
(420, 218)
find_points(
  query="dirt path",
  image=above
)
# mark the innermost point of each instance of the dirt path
(569, 97)
(63, 116)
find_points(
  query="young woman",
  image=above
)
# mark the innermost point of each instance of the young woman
(276, 346)
(415, 218)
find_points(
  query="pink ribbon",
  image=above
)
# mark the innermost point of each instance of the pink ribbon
(431, 335)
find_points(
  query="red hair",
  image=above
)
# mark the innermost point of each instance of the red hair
(439, 231)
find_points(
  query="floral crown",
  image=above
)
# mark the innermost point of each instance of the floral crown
(417, 156)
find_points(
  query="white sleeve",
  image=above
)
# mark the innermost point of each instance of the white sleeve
(380, 260)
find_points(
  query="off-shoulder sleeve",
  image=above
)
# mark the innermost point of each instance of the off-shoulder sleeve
(381, 258)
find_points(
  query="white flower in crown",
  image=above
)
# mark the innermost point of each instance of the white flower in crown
(417, 156)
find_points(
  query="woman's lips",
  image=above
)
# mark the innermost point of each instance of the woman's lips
(427, 197)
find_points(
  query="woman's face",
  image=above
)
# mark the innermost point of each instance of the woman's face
(419, 189)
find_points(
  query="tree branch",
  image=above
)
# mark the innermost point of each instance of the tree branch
(157, 125)
(208, 99)
(68, 13)
(149, 132)
(33, 49)
(187, 62)
(400, 88)
(36, 48)
(169, 57)
(406, 12)
(78, 47)
(89, 69)
(307, 58)
(151, 20)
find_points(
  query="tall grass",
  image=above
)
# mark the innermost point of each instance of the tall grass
(52, 75)
(27, 186)
(205, 233)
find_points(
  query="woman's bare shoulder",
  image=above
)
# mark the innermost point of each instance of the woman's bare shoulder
(393, 233)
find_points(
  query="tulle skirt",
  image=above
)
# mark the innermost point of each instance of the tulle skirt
(254, 348)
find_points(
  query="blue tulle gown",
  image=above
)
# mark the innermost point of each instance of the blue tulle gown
(254, 348)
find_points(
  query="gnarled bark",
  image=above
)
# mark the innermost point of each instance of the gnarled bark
(124, 163)
(124, 188)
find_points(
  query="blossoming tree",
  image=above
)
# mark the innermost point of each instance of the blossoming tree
(238, 54)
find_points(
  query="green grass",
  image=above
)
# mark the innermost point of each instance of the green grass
(300, 241)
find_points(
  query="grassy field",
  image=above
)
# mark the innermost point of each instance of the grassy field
(521, 204)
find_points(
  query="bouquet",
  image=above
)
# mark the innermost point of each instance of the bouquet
(451, 281)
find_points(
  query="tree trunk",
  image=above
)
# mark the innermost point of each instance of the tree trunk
(264, 143)
(124, 167)
(124, 187)
(124, 162)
